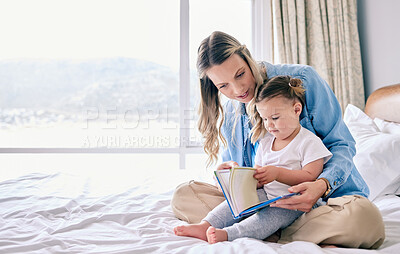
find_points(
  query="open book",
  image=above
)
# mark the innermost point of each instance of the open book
(240, 191)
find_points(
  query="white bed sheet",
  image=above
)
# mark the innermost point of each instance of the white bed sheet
(112, 213)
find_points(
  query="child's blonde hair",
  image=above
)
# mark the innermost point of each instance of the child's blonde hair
(285, 86)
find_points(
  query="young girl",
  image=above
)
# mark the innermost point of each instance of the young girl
(288, 154)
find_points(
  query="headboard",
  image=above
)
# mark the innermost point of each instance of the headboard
(384, 103)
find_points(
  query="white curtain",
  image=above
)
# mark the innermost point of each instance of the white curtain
(323, 34)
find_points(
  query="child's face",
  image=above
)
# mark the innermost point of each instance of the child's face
(280, 116)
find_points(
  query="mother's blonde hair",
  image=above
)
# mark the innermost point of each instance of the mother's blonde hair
(214, 50)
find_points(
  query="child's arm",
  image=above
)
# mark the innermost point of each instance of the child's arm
(308, 173)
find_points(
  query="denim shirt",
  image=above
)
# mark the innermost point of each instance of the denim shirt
(321, 115)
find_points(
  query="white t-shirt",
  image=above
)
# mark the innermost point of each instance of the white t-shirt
(306, 147)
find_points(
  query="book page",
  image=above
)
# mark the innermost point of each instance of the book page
(223, 177)
(243, 188)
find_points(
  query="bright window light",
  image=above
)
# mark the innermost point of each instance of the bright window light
(89, 74)
(85, 74)
(206, 16)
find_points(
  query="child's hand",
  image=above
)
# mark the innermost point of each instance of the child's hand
(266, 175)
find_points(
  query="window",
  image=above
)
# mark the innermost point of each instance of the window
(90, 74)
(207, 16)
(104, 75)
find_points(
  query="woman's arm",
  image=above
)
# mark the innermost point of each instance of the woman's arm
(324, 111)
(325, 115)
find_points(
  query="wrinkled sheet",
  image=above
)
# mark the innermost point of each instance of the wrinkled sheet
(78, 213)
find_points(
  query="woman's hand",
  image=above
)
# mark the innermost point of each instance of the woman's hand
(266, 174)
(310, 192)
(227, 165)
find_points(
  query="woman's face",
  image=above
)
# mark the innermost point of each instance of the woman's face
(280, 116)
(234, 79)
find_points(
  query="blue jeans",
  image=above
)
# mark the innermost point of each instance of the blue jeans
(258, 226)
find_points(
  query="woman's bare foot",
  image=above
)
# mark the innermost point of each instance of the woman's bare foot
(193, 230)
(274, 238)
(327, 246)
(215, 235)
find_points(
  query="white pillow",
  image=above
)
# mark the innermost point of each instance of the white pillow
(387, 127)
(378, 153)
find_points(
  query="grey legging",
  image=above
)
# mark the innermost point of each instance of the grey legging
(259, 225)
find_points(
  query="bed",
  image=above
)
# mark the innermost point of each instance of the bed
(107, 212)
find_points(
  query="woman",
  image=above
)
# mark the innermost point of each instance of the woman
(225, 66)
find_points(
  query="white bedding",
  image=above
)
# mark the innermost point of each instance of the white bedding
(111, 213)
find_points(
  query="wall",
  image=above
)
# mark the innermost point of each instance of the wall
(379, 29)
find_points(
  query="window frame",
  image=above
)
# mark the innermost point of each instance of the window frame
(261, 20)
